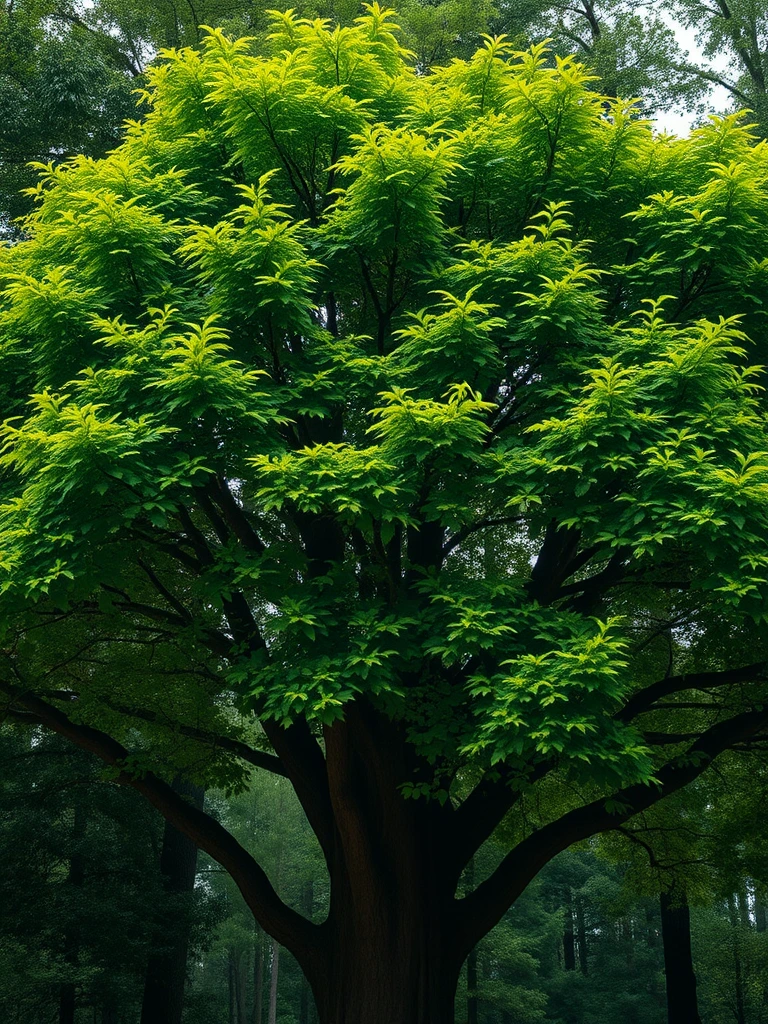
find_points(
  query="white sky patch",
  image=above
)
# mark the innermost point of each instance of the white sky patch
(680, 122)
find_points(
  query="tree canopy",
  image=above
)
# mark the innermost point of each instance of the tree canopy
(401, 435)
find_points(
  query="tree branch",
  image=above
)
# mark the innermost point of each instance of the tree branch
(478, 912)
(643, 701)
(290, 929)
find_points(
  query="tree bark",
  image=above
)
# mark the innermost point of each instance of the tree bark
(166, 974)
(682, 1003)
(581, 935)
(308, 905)
(240, 991)
(75, 878)
(396, 935)
(273, 979)
(472, 998)
(760, 915)
(738, 971)
(569, 944)
(258, 975)
(231, 988)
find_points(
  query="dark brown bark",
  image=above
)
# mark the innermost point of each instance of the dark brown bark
(682, 1004)
(393, 951)
(166, 973)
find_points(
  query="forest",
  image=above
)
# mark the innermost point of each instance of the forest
(383, 504)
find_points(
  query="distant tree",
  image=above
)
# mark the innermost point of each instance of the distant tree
(395, 434)
(80, 885)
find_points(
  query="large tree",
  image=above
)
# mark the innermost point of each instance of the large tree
(395, 434)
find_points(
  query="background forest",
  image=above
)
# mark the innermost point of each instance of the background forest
(105, 910)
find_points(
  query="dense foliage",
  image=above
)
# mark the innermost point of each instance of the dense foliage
(398, 434)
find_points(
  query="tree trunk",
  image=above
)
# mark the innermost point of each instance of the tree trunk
(393, 945)
(738, 972)
(75, 878)
(240, 992)
(273, 977)
(682, 1004)
(472, 999)
(308, 906)
(166, 974)
(581, 934)
(389, 988)
(258, 975)
(760, 915)
(231, 986)
(469, 876)
(569, 944)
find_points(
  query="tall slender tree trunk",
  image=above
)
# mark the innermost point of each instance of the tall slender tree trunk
(569, 942)
(242, 1017)
(273, 979)
(166, 974)
(258, 975)
(308, 906)
(682, 1003)
(760, 915)
(738, 968)
(581, 935)
(231, 988)
(472, 995)
(75, 878)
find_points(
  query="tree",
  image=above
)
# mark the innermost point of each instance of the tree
(63, 90)
(79, 884)
(368, 448)
(634, 50)
(739, 32)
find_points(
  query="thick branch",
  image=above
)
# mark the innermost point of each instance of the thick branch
(304, 764)
(478, 816)
(483, 908)
(646, 698)
(289, 928)
(258, 758)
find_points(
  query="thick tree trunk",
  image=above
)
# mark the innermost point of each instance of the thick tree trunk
(394, 950)
(164, 982)
(392, 989)
(682, 1003)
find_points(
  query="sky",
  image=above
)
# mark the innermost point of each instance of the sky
(680, 122)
